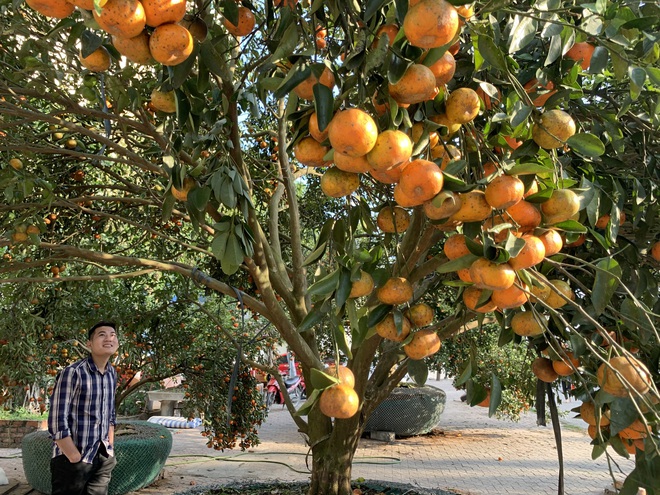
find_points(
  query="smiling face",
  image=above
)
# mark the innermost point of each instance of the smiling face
(103, 342)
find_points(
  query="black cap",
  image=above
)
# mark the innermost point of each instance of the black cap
(110, 324)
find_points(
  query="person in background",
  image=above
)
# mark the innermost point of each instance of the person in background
(82, 418)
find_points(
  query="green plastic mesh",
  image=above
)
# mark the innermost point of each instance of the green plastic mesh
(408, 411)
(141, 456)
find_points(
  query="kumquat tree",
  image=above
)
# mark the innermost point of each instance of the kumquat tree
(338, 167)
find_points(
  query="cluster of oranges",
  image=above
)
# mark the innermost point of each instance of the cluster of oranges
(340, 400)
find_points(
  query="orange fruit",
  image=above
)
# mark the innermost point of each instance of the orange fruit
(567, 365)
(489, 275)
(314, 130)
(420, 181)
(97, 61)
(635, 377)
(528, 324)
(424, 343)
(396, 290)
(474, 207)
(538, 92)
(553, 129)
(339, 401)
(159, 12)
(443, 120)
(165, 101)
(431, 23)
(553, 299)
(362, 287)
(246, 23)
(197, 27)
(417, 85)
(443, 205)
(386, 328)
(486, 401)
(446, 153)
(309, 152)
(464, 275)
(533, 188)
(135, 49)
(462, 105)
(655, 251)
(390, 176)
(392, 148)
(588, 414)
(123, 18)
(443, 69)
(182, 194)
(471, 296)
(390, 30)
(552, 241)
(635, 431)
(562, 205)
(531, 254)
(581, 52)
(305, 90)
(345, 375)
(355, 164)
(59, 9)
(525, 214)
(83, 4)
(455, 247)
(489, 168)
(171, 44)
(504, 191)
(337, 183)
(353, 132)
(393, 219)
(542, 368)
(420, 315)
(510, 298)
(603, 220)
(416, 133)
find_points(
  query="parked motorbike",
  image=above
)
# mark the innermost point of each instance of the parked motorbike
(295, 386)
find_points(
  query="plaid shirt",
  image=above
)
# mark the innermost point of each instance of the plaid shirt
(83, 407)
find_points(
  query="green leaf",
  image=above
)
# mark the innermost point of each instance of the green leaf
(219, 245)
(495, 395)
(528, 169)
(344, 288)
(465, 375)
(199, 197)
(324, 105)
(168, 206)
(377, 314)
(372, 7)
(180, 72)
(321, 380)
(89, 43)
(326, 285)
(309, 403)
(570, 226)
(287, 44)
(599, 60)
(586, 144)
(230, 11)
(314, 317)
(376, 58)
(605, 283)
(540, 197)
(341, 338)
(233, 256)
(637, 80)
(622, 414)
(295, 76)
(457, 264)
(521, 113)
(491, 52)
(523, 33)
(642, 23)
(418, 371)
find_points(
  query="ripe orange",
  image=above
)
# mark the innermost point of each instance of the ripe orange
(542, 368)
(424, 343)
(416, 133)
(171, 44)
(581, 52)
(389, 30)
(471, 296)
(489, 275)
(182, 194)
(603, 220)
(562, 205)
(123, 18)
(59, 9)
(159, 12)
(655, 251)
(246, 22)
(538, 92)
(135, 49)
(309, 152)
(355, 164)
(449, 203)
(345, 375)
(16, 164)
(305, 90)
(392, 148)
(635, 377)
(393, 219)
(443, 120)
(314, 130)
(197, 27)
(420, 315)
(588, 414)
(386, 328)
(417, 85)
(462, 105)
(362, 287)
(165, 101)
(443, 69)
(553, 299)
(97, 61)
(489, 168)
(337, 183)
(531, 254)
(390, 176)
(353, 132)
(420, 181)
(474, 207)
(510, 298)
(431, 23)
(552, 241)
(553, 129)
(635, 431)
(446, 153)
(396, 290)
(455, 247)
(339, 401)
(525, 214)
(567, 365)
(528, 324)
(464, 275)
(504, 191)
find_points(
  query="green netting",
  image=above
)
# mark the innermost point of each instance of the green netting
(141, 455)
(408, 411)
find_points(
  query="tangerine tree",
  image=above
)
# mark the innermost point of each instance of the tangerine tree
(190, 155)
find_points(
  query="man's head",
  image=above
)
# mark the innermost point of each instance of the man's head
(102, 339)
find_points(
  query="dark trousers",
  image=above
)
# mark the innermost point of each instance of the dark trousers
(82, 478)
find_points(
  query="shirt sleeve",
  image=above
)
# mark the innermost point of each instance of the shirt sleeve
(60, 403)
(113, 412)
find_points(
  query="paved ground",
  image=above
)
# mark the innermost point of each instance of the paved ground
(473, 455)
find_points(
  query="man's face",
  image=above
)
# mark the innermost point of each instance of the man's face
(103, 342)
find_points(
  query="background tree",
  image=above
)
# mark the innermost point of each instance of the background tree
(212, 176)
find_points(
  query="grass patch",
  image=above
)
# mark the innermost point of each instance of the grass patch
(22, 414)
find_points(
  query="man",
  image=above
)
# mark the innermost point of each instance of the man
(81, 419)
